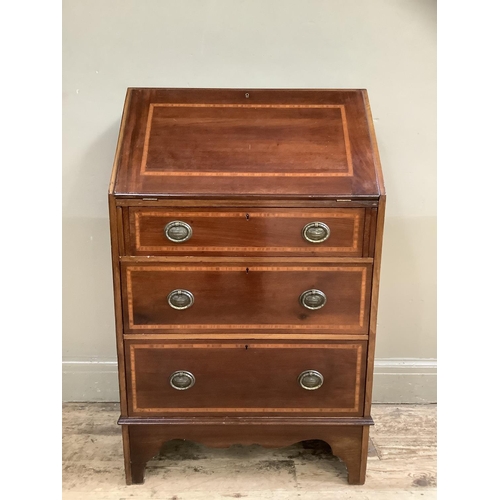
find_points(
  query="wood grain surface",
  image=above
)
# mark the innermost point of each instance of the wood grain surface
(235, 297)
(205, 142)
(239, 378)
(247, 232)
(346, 442)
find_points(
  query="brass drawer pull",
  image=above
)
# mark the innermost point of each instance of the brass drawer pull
(180, 299)
(178, 231)
(310, 380)
(313, 299)
(182, 380)
(316, 232)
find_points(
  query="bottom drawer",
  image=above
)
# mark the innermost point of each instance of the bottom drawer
(245, 378)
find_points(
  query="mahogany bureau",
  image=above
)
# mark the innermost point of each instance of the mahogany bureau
(246, 231)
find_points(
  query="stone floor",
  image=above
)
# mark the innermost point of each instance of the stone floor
(401, 463)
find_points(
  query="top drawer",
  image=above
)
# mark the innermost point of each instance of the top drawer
(165, 231)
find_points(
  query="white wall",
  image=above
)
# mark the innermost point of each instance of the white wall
(385, 46)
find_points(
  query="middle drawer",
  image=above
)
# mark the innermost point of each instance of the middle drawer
(299, 297)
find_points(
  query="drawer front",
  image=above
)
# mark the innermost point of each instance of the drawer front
(246, 232)
(331, 298)
(235, 378)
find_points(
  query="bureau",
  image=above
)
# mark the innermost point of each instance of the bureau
(246, 238)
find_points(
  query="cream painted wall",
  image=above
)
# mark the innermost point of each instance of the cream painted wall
(385, 46)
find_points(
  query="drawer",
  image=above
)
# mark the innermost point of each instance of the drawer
(327, 297)
(236, 378)
(246, 232)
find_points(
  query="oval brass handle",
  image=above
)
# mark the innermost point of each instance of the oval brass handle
(310, 380)
(178, 231)
(180, 299)
(316, 232)
(312, 299)
(182, 380)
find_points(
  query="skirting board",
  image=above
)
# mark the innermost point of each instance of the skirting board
(396, 380)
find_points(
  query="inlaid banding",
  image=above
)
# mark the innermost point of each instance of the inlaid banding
(133, 377)
(348, 172)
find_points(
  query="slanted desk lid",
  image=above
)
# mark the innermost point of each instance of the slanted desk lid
(255, 143)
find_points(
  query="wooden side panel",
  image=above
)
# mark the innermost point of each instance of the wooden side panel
(373, 212)
(373, 145)
(119, 153)
(377, 252)
(369, 232)
(374, 305)
(115, 217)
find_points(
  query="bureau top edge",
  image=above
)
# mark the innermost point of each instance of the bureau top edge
(242, 202)
(259, 143)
